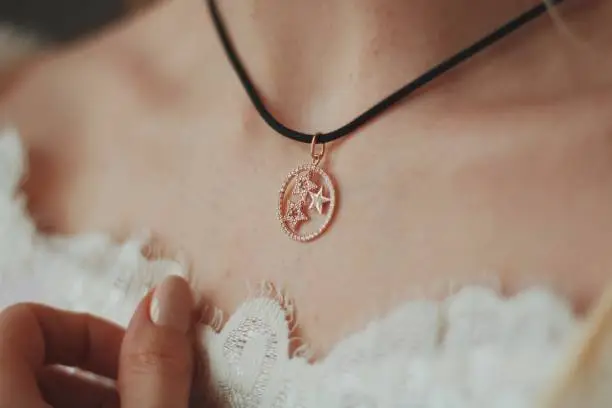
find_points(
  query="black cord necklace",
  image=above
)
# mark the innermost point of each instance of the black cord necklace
(308, 187)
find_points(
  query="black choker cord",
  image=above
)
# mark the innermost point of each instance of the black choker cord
(387, 102)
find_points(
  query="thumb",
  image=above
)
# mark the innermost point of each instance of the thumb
(156, 362)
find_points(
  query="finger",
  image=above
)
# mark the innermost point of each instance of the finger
(33, 336)
(43, 336)
(156, 363)
(63, 389)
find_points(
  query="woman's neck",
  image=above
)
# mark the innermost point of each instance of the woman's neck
(318, 56)
(413, 33)
(310, 58)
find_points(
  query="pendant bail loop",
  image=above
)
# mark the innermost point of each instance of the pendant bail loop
(316, 156)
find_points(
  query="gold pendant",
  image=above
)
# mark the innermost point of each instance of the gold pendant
(307, 199)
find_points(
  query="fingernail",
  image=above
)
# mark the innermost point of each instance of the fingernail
(172, 304)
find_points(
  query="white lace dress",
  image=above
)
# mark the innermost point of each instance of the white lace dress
(475, 349)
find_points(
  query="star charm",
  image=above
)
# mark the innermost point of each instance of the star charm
(294, 215)
(317, 200)
(303, 186)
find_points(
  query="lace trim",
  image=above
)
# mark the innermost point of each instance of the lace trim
(250, 364)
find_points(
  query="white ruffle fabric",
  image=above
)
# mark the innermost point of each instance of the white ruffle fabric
(475, 349)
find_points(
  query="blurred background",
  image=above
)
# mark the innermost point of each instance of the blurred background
(62, 20)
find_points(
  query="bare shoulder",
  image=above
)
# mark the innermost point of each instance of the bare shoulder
(143, 61)
(92, 106)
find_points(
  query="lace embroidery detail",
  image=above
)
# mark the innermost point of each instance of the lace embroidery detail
(234, 347)
(472, 342)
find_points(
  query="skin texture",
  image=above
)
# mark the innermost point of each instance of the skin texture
(502, 169)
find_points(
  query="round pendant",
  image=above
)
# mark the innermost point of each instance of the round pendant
(306, 203)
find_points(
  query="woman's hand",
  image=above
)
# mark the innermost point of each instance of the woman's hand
(152, 362)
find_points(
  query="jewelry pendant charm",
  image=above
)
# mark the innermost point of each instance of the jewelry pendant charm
(307, 199)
